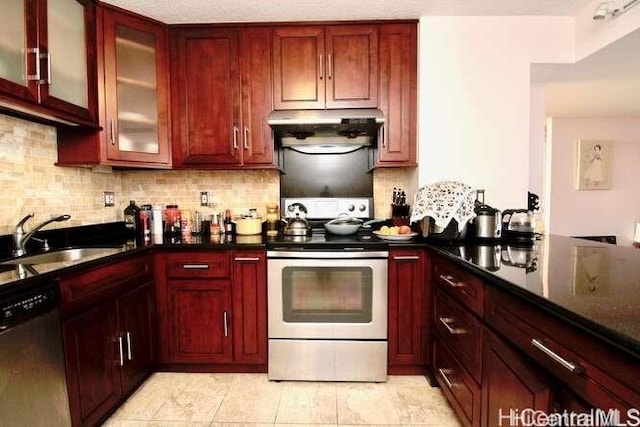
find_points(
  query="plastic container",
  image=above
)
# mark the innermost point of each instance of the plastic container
(157, 220)
(171, 219)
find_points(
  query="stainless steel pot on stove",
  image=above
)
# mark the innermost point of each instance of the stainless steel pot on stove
(345, 225)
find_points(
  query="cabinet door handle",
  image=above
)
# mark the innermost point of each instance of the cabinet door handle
(195, 266)
(443, 373)
(36, 52)
(226, 324)
(382, 137)
(120, 351)
(247, 259)
(406, 257)
(451, 281)
(246, 138)
(330, 66)
(572, 367)
(446, 321)
(112, 128)
(129, 353)
(47, 56)
(235, 137)
(320, 67)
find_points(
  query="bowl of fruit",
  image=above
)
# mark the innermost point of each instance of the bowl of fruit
(395, 232)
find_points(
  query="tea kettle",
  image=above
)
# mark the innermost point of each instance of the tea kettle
(518, 225)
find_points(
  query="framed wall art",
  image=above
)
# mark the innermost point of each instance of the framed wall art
(594, 164)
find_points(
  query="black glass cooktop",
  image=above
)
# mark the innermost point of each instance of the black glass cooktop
(319, 239)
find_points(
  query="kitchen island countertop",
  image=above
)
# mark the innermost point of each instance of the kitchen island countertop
(593, 285)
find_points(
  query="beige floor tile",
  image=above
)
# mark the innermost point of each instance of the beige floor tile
(112, 422)
(177, 424)
(146, 401)
(368, 404)
(250, 399)
(421, 405)
(307, 402)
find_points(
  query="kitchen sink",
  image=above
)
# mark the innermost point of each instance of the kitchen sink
(63, 255)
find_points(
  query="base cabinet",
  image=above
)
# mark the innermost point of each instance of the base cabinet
(108, 331)
(213, 306)
(408, 310)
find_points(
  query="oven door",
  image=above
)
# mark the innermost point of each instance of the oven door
(328, 295)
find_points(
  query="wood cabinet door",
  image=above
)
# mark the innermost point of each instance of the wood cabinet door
(257, 96)
(136, 89)
(137, 327)
(205, 67)
(299, 62)
(249, 295)
(200, 321)
(92, 362)
(406, 306)
(510, 383)
(351, 69)
(398, 95)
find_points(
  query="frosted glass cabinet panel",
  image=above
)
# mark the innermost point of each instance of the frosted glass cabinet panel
(68, 63)
(13, 40)
(137, 90)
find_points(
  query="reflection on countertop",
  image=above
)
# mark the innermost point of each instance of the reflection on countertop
(596, 284)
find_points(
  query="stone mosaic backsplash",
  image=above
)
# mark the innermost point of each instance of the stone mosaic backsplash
(31, 182)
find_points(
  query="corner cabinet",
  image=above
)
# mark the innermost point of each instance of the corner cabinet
(397, 143)
(325, 67)
(49, 59)
(134, 109)
(222, 97)
(409, 310)
(108, 326)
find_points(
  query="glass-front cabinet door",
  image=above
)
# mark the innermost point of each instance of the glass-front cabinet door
(136, 89)
(47, 58)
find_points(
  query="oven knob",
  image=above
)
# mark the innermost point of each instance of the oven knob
(362, 208)
(351, 207)
(290, 208)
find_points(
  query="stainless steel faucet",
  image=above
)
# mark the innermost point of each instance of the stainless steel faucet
(20, 237)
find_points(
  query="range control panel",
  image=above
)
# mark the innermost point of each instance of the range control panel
(327, 207)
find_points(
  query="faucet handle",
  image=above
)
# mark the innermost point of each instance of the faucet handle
(20, 225)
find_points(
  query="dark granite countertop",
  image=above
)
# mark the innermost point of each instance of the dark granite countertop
(593, 285)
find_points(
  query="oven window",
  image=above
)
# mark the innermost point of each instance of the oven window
(327, 294)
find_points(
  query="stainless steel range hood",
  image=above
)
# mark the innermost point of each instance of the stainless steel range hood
(321, 131)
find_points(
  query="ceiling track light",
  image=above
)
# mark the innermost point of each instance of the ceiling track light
(606, 9)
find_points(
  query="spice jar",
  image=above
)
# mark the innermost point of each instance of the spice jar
(272, 219)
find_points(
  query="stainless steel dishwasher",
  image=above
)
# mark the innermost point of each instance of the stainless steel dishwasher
(33, 388)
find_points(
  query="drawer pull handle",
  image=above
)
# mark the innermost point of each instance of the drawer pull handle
(573, 368)
(406, 258)
(129, 353)
(446, 321)
(247, 259)
(443, 373)
(451, 281)
(195, 266)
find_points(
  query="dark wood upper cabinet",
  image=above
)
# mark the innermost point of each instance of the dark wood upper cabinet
(398, 95)
(221, 90)
(134, 99)
(49, 59)
(325, 67)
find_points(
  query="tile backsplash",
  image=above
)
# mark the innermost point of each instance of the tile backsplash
(32, 183)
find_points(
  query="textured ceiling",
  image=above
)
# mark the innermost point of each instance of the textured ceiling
(205, 11)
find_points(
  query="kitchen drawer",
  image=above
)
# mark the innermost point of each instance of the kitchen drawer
(461, 331)
(189, 265)
(462, 285)
(603, 376)
(460, 389)
(82, 290)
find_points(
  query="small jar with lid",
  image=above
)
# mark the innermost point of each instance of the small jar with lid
(171, 218)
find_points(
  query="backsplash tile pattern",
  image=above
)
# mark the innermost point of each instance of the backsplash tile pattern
(32, 183)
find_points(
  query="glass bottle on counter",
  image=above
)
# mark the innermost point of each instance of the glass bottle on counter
(228, 224)
(272, 220)
(132, 216)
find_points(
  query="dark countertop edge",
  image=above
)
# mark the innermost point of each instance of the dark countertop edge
(620, 341)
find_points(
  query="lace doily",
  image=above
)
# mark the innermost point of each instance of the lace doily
(444, 201)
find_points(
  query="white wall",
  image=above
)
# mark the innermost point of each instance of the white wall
(595, 212)
(474, 98)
